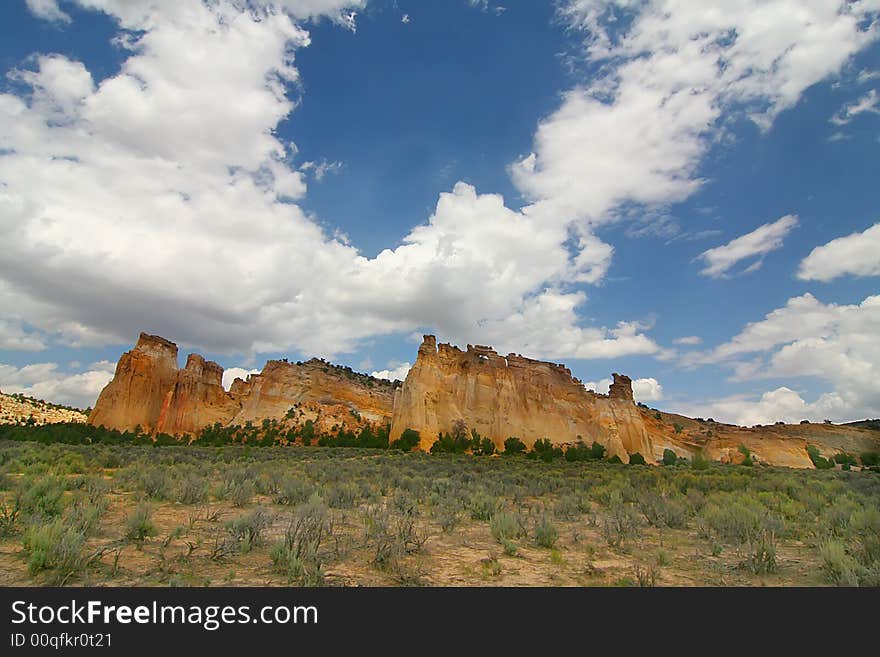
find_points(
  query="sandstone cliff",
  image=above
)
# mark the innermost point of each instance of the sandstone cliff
(499, 396)
(504, 396)
(148, 390)
(136, 394)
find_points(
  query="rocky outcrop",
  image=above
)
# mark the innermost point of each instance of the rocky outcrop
(136, 394)
(149, 391)
(281, 385)
(498, 396)
(19, 409)
(504, 396)
(196, 400)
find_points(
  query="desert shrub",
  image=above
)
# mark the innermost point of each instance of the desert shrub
(845, 459)
(139, 524)
(571, 505)
(85, 515)
(56, 547)
(747, 461)
(191, 489)
(505, 526)
(546, 533)
(636, 459)
(10, 510)
(405, 503)
(44, 497)
(292, 491)
(620, 524)
(840, 568)
(341, 495)
(836, 516)
(699, 461)
(616, 459)
(155, 483)
(870, 459)
(246, 531)
(482, 505)
(669, 457)
(864, 525)
(742, 521)
(298, 554)
(241, 493)
(390, 538)
(668, 510)
(677, 427)
(447, 513)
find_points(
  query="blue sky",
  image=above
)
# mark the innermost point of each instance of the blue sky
(686, 196)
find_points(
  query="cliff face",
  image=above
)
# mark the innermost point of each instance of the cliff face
(499, 396)
(196, 400)
(281, 385)
(504, 396)
(136, 394)
(149, 390)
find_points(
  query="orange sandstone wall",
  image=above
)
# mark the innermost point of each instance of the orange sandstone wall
(504, 396)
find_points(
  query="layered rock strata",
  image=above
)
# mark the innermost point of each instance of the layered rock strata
(150, 392)
(505, 396)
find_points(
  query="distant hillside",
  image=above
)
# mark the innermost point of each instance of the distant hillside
(865, 424)
(19, 409)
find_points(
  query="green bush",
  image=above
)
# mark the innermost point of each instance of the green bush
(298, 554)
(621, 524)
(505, 526)
(819, 461)
(293, 490)
(870, 459)
(247, 530)
(408, 441)
(192, 489)
(514, 445)
(636, 459)
(482, 506)
(669, 457)
(546, 533)
(699, 461)
(840, 568)
(56, 547)
(44, 497)
(139, 524)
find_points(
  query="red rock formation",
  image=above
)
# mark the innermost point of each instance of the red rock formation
(499, 396)
(281, 385)
(197, 399)
(137, 392)
(149, 391)
(504, 396)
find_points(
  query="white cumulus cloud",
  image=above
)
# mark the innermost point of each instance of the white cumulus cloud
(857, 254)
(45, 381)
(394, 373)
(835, 344)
